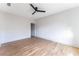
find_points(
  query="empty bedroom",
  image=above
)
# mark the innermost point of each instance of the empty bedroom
(39, 29)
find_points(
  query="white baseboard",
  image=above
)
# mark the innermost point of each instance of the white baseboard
(68, 42)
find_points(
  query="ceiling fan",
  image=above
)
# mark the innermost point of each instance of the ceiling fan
(8, 4)
(36, 9)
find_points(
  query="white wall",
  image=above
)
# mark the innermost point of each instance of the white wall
(62, 27)
(13, 27)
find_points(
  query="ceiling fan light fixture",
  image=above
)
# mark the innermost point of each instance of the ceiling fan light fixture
(36, 9)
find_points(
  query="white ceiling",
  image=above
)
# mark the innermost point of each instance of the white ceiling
(24, 9)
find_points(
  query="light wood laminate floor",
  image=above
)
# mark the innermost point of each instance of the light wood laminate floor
(37, 47)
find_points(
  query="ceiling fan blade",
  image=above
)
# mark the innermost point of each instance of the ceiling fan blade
(32, 6)
(40, 11)
(34, 12)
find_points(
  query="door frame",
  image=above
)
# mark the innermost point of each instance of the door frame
(32, 24)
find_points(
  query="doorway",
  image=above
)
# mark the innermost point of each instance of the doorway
(32, 30)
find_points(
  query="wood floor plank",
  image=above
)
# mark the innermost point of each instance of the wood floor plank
(37, 47)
